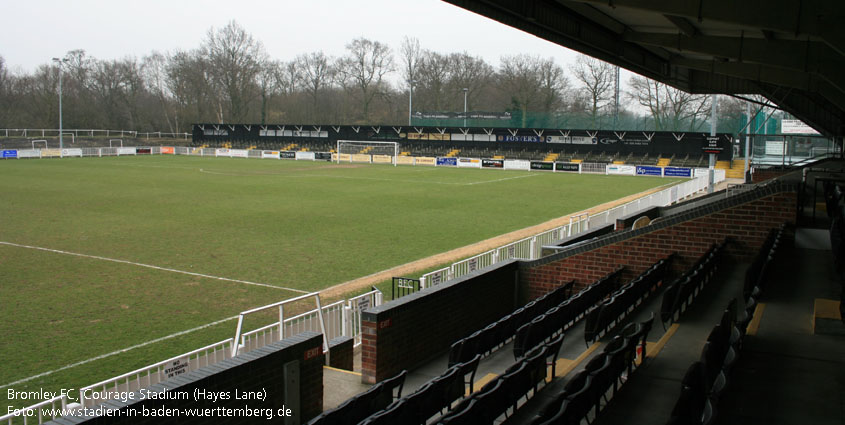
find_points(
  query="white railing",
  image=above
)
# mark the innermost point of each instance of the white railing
(46, 410)
(147, 376)
(530, 248)
(308, 321)
(352, 313)
(343, 318)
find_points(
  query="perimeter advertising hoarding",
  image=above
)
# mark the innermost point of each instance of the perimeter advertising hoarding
(143, 151)
(493, 163)
(72, 152)
(566, 166)
(270, 154)
(469, 162)
(648, 170)
(621, 169)
(426, 160)
(239, 153)
(292, 155)
(541, 165)
(447, 162)
(126, 151)
(677, 172)
(572, 140)
(517, 164)
(405, 160)
(222, 152)
(305, 155)
(536, 139)
(10, 154)
(323, 156)
(29, 153)
(168, 150)
(382, 159)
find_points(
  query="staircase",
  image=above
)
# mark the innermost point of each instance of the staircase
(663, 162)
(551, 157)
(733, 169)
(453, 153)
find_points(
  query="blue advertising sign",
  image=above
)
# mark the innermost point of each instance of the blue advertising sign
(442, 160)
(10, 154)
(677, 172)
(648, 170)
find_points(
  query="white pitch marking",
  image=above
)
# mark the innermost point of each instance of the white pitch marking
(103, 356)
(96, 257)
(502, 179)
(310, 175)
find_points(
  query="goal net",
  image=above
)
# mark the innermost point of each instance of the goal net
(370, 152)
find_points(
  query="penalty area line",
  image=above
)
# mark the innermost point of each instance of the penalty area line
(149, 266)
(116, 352)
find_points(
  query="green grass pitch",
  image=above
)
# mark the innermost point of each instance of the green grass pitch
(289, 224)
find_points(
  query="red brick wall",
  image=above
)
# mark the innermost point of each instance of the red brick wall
(760, 175)
(747, 224)
(410, 331)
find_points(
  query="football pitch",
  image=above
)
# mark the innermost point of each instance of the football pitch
(104, 261)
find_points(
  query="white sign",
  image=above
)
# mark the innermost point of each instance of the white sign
(222, 152)
(306, 155)
(239, 153)
(270, 154)
(174, 368)
(469, 162)
(796, 127)
(72, 152)
(775, 147)
(574, 140)
(29, 153)
(628, 170)
(517, 164)
(126, 151)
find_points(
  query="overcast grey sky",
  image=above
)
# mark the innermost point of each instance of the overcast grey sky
(34, 31)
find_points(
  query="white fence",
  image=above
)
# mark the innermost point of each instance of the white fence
(147, 376)
(343, 318)
(530, 248)
(54, 132)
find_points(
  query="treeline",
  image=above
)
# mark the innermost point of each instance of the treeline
(231, 78)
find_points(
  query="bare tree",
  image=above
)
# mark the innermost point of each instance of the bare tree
(532, 84)
(412, 55)
(316, 76)
(363, 71)
(471, 73)
(432, 78)
(670, 108)
(596, 83)
(235, 60)
(154, 68)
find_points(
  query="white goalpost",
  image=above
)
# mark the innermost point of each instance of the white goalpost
(367, 151)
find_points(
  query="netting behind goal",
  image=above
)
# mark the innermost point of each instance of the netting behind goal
(370, 152)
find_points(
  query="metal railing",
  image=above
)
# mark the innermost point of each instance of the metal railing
(147, 376)
(54, 132)
(530, 248)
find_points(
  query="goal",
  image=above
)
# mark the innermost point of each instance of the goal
(367, 151)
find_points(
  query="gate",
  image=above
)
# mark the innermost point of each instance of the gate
(403, 286)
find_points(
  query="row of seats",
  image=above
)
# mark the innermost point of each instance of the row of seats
(429, 400)
(706, 379)
(680, 294)
(358, 408)
(496, 334)
(758, 273)
(558, 318)
(608, 313)
(503, 393)
(599, 380)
